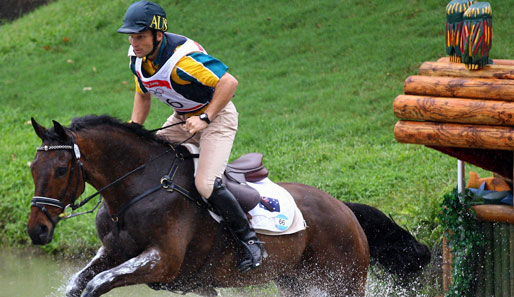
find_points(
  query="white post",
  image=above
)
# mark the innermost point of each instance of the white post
(461, 177)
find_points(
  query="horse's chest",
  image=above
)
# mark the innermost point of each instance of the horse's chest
(122, 242)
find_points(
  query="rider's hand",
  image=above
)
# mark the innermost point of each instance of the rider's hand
(195, 124)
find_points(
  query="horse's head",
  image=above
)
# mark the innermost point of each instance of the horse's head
(405, 256)
(395, 248)
(58, 180)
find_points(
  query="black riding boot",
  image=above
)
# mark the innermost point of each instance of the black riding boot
(237, 221)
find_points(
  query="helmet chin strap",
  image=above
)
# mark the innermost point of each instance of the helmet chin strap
(154, 33)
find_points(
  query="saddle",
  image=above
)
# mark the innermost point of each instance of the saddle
(247, 168)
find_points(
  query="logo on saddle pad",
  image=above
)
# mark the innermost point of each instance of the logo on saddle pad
(274, 203)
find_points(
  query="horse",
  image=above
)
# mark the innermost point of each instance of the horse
(167, 239)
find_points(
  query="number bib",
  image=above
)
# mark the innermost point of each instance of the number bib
(160, 86)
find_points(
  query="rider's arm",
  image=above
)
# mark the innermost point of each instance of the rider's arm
(206, 70)
(223, 93)
(141, 108)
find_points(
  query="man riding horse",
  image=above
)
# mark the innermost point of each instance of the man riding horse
(198, 87)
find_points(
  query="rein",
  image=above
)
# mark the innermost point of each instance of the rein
(167, 183)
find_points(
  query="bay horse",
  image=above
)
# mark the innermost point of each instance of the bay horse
(164, 239)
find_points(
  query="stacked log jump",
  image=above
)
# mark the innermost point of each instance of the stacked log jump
(463, 106)
(466, 114)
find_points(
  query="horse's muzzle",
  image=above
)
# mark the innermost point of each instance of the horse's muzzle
(41, 234)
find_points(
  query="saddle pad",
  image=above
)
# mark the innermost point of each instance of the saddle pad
(284, 207)
(286, 217)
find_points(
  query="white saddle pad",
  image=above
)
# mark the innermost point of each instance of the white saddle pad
(286, 217)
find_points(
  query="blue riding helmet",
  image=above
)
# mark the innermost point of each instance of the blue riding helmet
(144, 15)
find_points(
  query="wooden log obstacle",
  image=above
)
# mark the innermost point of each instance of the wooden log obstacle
(463, 106)
(468, 115)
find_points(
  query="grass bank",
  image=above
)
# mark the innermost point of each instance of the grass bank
(317, 81)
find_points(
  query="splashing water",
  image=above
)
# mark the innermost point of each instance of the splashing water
(26, 274)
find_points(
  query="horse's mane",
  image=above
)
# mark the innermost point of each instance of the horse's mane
(89, 121)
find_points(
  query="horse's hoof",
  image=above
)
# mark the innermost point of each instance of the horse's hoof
(73, 293)
(89, 294)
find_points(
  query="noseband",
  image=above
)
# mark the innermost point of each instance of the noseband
(41, 202)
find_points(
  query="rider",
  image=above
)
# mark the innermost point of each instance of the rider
(198, 87)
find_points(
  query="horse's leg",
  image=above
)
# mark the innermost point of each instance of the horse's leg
(148, 267)
(78, 281)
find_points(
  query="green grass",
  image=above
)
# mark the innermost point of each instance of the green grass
(316, 84)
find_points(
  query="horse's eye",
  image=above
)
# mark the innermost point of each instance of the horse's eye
(60, 171)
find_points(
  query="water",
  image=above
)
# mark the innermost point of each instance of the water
(29, 274)
(24, 274)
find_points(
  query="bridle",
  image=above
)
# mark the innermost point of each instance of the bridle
(41, 202)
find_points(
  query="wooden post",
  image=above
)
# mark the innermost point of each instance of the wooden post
(497, 250)
(505, 260)
(511, 258)
(480, 270)
(488, 261)
(447, 265)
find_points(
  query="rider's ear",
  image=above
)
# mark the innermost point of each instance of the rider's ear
(59, 129)
(40, 130)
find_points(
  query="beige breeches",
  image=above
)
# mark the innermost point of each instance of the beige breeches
(215, 144)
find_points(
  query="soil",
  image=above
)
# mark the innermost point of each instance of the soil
(13, 9)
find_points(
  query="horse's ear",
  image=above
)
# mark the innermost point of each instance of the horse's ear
(40, 130)
(59, 129)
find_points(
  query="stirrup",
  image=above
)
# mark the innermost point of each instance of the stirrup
(248, 259)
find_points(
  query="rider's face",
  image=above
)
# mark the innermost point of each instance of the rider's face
(143, 42)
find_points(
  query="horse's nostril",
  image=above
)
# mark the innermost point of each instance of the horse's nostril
(43, 230)
(40, 234)
(43, 234)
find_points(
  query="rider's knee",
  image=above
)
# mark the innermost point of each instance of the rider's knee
(204, 186)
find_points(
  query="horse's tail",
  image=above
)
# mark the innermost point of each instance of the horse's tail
(389, 244)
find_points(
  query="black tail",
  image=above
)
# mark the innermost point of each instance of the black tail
(389, 244)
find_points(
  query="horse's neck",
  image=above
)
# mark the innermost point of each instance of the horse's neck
(109, 156)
